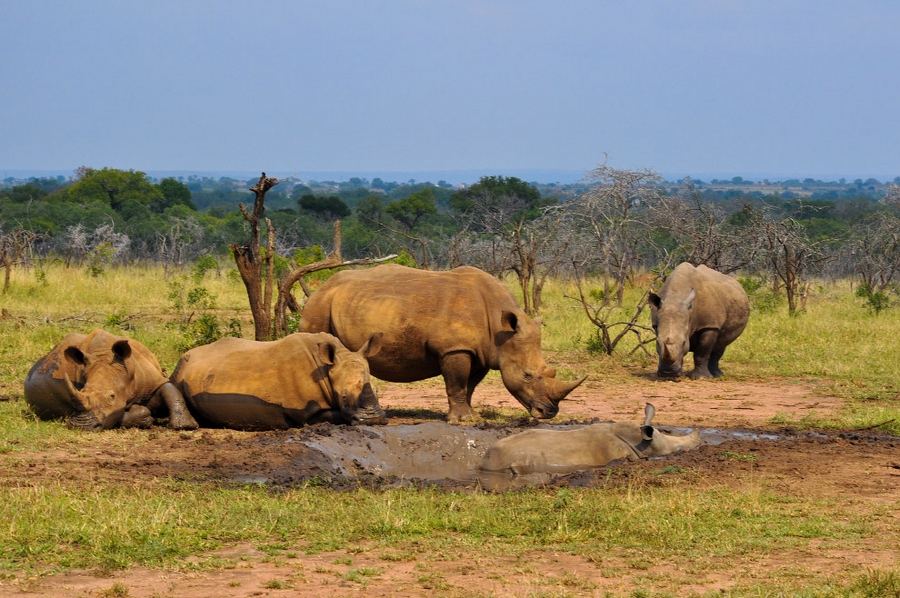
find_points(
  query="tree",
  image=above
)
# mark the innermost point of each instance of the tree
(492, 213)
(175, 193)
(324, 207)
(786, 251)
(255, 264)
(13, 244)
(697, 231)
(613, 216)
(113, 187)
(537, 249)
(411, 209)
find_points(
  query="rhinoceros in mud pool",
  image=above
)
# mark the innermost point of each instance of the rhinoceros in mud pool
(459, 324)
(274, 385)
(697, 310)
(101, 381)
(595, 445)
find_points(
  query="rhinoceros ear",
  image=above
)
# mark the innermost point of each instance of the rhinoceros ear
(122, 350)
(689, 300)
(326, 353)
(655, 300)
(74, 354)
(372, 346)
(509, 321)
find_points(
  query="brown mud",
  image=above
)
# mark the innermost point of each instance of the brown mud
(860, 467)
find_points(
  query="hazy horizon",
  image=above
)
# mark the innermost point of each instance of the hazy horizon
(453, 177)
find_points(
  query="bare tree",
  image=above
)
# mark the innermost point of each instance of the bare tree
(612, 212)
(788, 254)
(874, 252)
(537, 249)
(699, 230)
(611, 333)
(255, 264)
(13, 244)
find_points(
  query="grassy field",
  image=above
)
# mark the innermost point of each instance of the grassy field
(49, 527)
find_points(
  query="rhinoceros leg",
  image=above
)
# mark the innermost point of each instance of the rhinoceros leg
(179, 416)
(137, 417)
(702, 347)
(460, 382)
(714, 369)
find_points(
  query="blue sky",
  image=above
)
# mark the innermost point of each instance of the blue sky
(756, 88)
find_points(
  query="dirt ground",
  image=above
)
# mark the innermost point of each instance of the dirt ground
(734, 416)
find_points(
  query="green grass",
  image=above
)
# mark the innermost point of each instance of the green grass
(109, 527)
(50, 526)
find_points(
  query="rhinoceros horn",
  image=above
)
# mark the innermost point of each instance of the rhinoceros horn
(557, 390)
(79, 399)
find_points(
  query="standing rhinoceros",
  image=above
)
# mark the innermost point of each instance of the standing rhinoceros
(565, 451)
(459, 324)
(274, 385)
(101, 381)
(697, 310)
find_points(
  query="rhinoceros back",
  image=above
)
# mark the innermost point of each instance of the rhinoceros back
(424, 315)
(252, 385)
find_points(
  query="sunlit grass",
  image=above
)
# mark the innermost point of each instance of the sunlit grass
(695, 529)
(158, 524)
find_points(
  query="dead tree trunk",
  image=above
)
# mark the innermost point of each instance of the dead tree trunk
(256, 266)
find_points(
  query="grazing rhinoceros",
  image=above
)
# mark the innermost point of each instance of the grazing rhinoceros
(697, 310)
(459, 324)
(101, 381)
(565, 451)
(274, 385)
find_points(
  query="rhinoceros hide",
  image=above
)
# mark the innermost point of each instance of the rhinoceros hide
(697, 310)
(595, 445)
(100, 381)
(273, 385)
(458, 324)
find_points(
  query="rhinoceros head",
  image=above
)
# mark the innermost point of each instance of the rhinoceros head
(523, 369)
(671, 319)
(108, 384)
(351, 385)
(658, 444)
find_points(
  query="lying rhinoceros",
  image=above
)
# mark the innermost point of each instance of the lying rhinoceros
(101, 381)
(565, 451)
(697, 310)
(459, 324)
(274, 385)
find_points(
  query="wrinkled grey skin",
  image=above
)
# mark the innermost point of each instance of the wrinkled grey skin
(697, 310)
(565, 451)
(458, 324)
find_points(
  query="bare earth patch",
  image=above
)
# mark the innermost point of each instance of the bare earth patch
(858, 468)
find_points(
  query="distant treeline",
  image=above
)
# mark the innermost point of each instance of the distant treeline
(614, 222)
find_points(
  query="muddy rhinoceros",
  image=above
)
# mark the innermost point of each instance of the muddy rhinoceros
(595, 445)
(101, 381)
(274, 385)
(697, 310)
(459, 324)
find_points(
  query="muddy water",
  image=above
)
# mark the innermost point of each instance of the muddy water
(436, 451)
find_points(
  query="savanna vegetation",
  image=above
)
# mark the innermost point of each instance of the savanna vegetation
(151, 260)
(68, 523)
